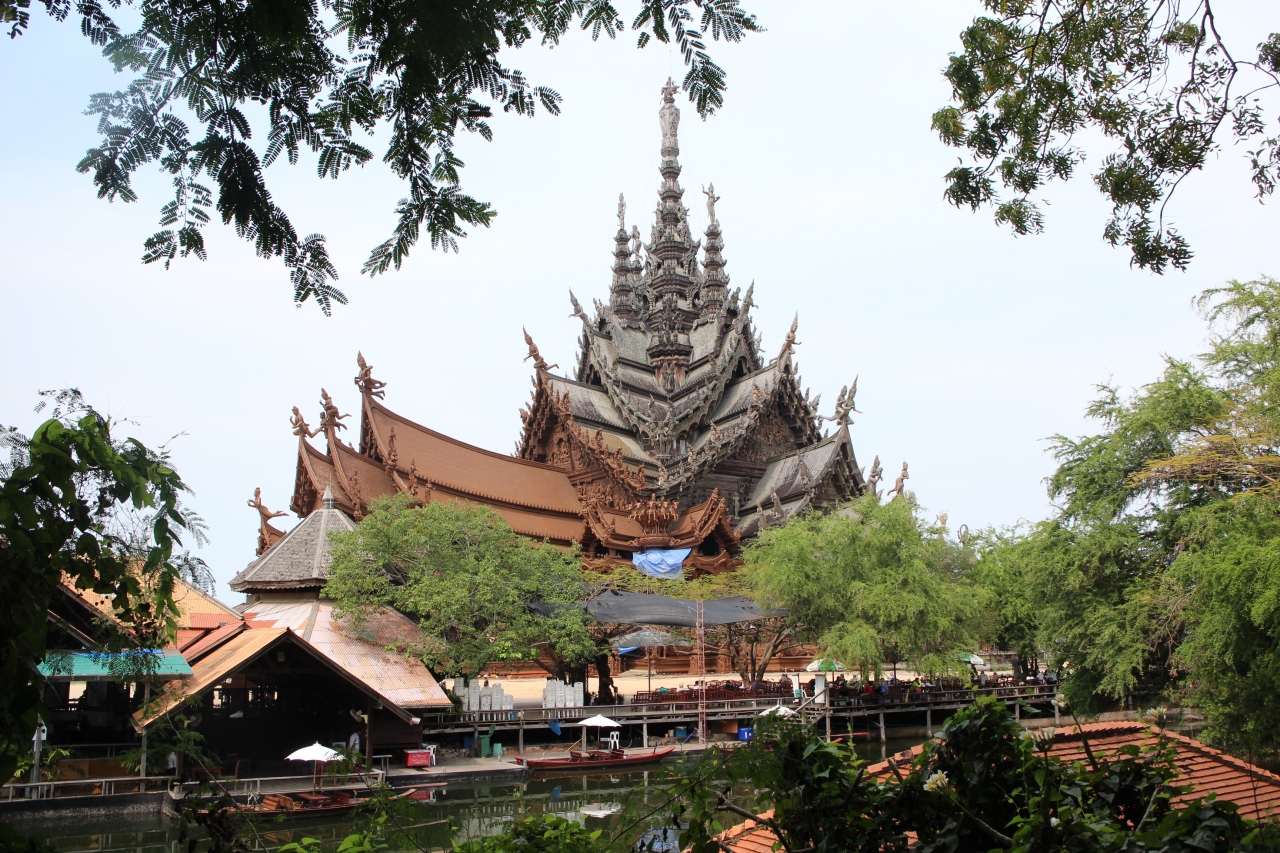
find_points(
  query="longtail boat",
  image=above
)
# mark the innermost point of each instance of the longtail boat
(595, 758)
(334, 802)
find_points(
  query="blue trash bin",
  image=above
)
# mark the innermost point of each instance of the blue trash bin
(746, 733)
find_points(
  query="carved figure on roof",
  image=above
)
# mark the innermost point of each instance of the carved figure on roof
(622, 213)
(539, 364)
(712, 198)
(365, 381)
(268, 534)
(900, 484)
(844, 405)
(577, 308)
(300, 427)
(329, 417)
(874, 478)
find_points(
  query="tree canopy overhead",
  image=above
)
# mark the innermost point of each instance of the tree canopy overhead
(1155, 77)
(327, 74)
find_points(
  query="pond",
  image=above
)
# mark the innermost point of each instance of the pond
(601, 800)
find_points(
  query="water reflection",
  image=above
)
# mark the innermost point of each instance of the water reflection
(600, 800)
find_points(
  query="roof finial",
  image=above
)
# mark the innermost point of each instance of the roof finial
(328, 500)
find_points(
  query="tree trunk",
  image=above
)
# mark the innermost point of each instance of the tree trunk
(605, 694)
(579, 673)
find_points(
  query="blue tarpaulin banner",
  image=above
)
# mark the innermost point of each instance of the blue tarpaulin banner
(660, 563)
(555, 726)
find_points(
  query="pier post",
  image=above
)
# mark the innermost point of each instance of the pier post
(828, 715)
(1017, 710)
(644, 734)
(520, 745)
(928, 722)
(882, 738)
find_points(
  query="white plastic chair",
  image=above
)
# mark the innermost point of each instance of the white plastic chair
(613, 740)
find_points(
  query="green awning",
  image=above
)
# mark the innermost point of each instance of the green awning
(122, 666)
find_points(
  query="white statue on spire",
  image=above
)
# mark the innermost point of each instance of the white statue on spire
(622, 213)
(712, 198)
(669, 116)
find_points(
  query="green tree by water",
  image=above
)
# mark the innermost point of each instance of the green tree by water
(872, 582)
(1158, 572)
(480, 592)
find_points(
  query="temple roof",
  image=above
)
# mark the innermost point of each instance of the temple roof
(299, 560)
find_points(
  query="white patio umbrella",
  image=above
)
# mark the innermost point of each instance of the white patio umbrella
(973, 659)
(825, 665)
(779, 711)
(598, 722)
(316, 754)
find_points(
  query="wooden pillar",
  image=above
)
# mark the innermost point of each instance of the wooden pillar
(1057, 719)
(928, 722)
(520, 746)
(828, 715)
(1017, 711)
(644, 734)
(882, 738)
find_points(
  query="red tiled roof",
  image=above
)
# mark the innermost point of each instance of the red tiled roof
(1205, 769)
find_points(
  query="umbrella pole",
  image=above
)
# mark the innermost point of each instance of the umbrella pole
(648, 660)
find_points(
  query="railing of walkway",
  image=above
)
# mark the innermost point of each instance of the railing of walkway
(924, 700)
(84, 787)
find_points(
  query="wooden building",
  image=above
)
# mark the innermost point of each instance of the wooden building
(677, 430)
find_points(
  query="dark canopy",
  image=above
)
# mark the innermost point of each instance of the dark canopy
(635, 608)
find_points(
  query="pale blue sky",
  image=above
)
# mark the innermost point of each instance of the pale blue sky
(971, 346)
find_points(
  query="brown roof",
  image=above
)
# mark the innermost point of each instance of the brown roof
(238, 653)
(1204, 769)
(472, 471)
(365, 653)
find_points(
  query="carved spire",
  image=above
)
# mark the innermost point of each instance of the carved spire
(622, 289)
(715, 287)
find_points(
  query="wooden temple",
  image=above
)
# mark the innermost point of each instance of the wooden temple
(677, 429)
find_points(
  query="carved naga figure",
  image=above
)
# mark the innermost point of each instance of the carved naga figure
(900, 484)
(844, 405)
(300, 427)
(329, 417)
(268, 534)
(365, 381)
(539, 363)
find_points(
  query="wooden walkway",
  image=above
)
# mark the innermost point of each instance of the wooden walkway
(861, 713)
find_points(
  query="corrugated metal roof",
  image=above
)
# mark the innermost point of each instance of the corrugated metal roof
(88, 666)
(364, 653)
(241, 651)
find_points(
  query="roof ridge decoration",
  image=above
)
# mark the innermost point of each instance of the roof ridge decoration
(268, 533)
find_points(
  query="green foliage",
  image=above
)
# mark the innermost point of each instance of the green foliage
(983, 784)
(548, 834)
(1155, 78)
(69, 500)
(329, 73)
(469, 581)
(871, 583)
(1157, 573)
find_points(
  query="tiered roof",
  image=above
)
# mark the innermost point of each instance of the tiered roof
(671, 374)
(676, 430)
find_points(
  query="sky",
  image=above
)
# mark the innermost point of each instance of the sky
(971, 347)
